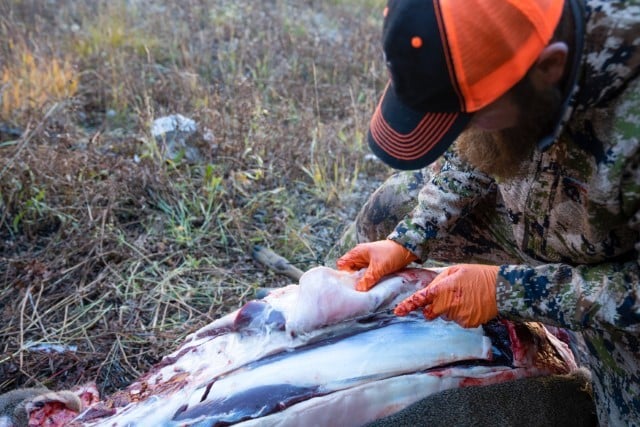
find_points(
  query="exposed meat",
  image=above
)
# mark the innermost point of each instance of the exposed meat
(322, 353)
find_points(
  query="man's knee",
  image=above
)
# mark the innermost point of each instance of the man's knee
(388, 205)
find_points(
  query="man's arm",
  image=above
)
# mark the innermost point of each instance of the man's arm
(453, 189)
(572, 297)
(450, 189)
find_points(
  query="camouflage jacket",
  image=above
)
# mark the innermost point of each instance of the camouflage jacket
(575, 215)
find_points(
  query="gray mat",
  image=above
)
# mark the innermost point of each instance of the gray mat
(544, 401)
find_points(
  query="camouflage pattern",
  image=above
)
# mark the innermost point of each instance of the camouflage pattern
(567, 233)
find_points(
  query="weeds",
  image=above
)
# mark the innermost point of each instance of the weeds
(28, 83)
(113, 253)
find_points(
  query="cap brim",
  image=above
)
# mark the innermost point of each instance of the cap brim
(407, 139)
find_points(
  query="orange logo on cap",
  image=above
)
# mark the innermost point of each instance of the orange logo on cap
(416, 42)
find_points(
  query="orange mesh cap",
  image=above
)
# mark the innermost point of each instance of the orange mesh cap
(493, 43)
(448, 59)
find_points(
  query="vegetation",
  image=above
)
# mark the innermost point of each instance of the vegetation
(111, 253)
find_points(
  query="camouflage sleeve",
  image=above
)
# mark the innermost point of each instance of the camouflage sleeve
(452, 189)
(597, 296)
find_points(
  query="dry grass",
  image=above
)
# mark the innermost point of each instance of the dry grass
(115, 254)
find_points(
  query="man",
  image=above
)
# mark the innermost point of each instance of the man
(536, 207)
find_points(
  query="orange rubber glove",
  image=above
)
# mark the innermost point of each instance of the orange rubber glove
(464, 293)
(380, 258)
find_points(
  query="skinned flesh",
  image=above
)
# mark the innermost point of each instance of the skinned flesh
(321, 353)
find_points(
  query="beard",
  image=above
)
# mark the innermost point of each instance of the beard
(501, 154)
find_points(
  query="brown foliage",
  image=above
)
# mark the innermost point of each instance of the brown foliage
(112, 253)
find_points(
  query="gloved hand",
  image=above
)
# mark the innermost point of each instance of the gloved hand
(464, 293)
(380, 258)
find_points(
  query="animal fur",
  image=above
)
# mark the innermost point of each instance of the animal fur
(16, 405)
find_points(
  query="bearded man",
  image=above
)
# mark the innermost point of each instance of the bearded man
(517, 123)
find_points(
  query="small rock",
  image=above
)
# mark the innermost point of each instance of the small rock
(177, 136)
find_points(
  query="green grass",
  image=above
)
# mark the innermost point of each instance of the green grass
(107, 246)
